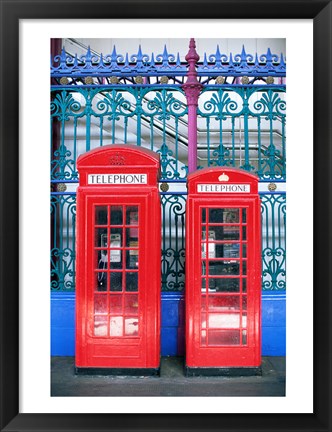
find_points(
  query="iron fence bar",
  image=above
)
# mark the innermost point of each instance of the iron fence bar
(173, 248)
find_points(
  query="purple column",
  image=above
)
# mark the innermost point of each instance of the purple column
(192, 89)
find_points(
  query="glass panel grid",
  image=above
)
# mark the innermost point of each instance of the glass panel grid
(223, 303)
(116, 282)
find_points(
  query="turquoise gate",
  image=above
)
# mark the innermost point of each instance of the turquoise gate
(238, 120)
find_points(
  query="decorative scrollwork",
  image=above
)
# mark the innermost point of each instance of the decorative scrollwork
(270, 105)
(113, 105)
(164, 112)
(173, 247)
(274, 241)
(219, 106)
(63, 106)
(63, 214)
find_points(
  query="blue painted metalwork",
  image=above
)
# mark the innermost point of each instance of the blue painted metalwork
(112, 111)
(98, 100)
(173, 241)
(98, 65)
(231, 114)
(242, 64)
(63, 218)
(273, 241)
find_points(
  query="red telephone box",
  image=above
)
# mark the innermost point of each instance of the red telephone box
(118, 261)
(223, 273)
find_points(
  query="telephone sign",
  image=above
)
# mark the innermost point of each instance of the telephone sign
(118, 261)
(223, 273)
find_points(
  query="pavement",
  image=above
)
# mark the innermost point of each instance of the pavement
(171, 382)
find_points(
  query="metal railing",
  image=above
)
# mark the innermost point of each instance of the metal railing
(241, 122)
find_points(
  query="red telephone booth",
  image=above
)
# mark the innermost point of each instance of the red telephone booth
(223, 273)
(118, 262)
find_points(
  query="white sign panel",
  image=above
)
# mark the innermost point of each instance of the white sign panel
(223, 188)
(97, 179)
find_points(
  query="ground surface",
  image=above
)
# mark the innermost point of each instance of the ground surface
(171, 382)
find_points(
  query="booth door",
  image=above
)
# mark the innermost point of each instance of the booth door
(227, 308)
(117, 322)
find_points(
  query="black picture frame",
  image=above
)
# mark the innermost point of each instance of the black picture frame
(11, 12)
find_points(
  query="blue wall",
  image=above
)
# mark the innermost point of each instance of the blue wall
(172, 324)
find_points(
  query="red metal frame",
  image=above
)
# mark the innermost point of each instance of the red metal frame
(223, 271)
(118, 282)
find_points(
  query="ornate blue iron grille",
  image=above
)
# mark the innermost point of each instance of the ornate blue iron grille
(86, 118)
(63, 220)
(244, 127)
(274, 241)
(241, 122)
(173, 241)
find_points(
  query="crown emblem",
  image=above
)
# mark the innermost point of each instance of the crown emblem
(223, 177)
(117, 159)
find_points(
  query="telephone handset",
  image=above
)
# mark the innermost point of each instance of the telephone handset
(114, 257)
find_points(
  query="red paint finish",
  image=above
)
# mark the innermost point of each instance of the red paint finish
(118, 259)
(223, 269)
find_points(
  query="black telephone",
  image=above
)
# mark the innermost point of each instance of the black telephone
(114, 256)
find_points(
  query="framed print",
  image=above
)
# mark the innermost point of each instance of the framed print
(30, 398)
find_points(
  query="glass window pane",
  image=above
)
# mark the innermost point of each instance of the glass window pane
(244, 215)
(244, 233)
(244, 337)
(131, 281)
(203, 337)
(244, 267)
(244, 284)
(132, 259)
(131, 304)
(224, 268)
(212, 284)
(116, 304)
(101, 280)
(224, 337)
(100, 304)
(132, 215)
(222, 320)
(244, 302)
(203, 320)
(101, 215)
(116, 326)
(100, 325)
(224, 215)
(224, 302)
(221, 250)
(131, 326)
(244, 319)
(203, 215)
(227, 285)
(132, 237)
(211, 248)
(101, 261)
(216, 215)
(116, 281)
(116, 215)
(244, 250)
(115, 252)
(226, 232)
(203, 303)
(230, 250)
(101, 237)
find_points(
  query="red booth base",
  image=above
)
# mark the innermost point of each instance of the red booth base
(223, 371)
(118, 371)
